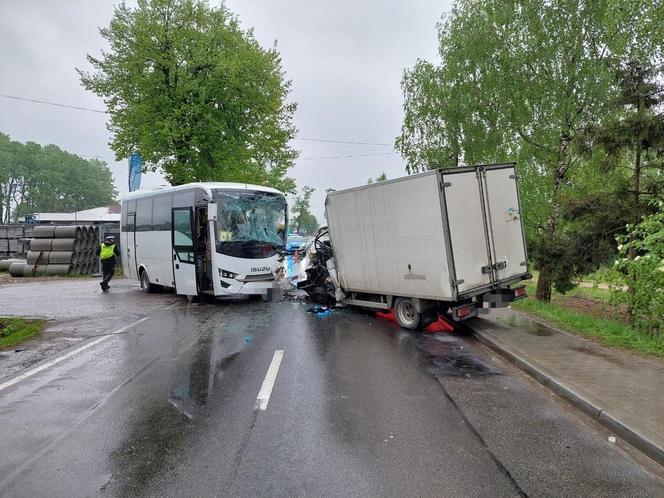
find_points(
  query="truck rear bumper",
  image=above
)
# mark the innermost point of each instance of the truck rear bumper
(497, 298)
(502, 284)
(501, 298)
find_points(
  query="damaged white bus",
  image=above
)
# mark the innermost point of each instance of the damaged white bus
(216, 239)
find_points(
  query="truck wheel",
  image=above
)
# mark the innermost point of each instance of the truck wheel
(146, 286)
(406, 315)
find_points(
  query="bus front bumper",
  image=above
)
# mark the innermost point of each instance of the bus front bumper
(232, 287)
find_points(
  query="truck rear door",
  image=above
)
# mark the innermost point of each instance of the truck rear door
(485, 229)
(468, 237)
(505, 227)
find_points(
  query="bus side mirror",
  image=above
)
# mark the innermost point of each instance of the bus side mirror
(212, 212)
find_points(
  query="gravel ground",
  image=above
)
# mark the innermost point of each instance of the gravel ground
(7, 279)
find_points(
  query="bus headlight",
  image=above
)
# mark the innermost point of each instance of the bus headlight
(227, 274)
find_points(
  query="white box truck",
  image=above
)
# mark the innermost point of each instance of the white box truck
(446, 241)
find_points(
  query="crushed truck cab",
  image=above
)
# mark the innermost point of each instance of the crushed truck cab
(447, 241)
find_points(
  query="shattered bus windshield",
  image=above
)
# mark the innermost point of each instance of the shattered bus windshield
(250, 224)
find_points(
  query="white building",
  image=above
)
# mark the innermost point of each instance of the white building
(105, 214)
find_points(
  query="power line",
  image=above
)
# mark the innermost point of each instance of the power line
(48, 139)
(35, 101)
(66, 106)
(345, 157)
(639, 96)
(341, 141)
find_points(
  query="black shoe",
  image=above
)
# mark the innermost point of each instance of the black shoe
(104, 287)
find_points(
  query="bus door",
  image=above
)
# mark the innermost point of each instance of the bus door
(184, 263)
(131, 245)
(202, 249)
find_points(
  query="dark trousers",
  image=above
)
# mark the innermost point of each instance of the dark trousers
(107, 270)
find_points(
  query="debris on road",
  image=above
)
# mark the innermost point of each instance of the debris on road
(320, 311)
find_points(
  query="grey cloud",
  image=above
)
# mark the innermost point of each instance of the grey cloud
(345, 59)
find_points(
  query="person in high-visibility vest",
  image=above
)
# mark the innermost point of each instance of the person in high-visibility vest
(107, 253)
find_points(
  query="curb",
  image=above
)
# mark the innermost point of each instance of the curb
(632, 436)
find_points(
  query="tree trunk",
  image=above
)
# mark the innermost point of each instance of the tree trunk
(543, 292)
(544, 282)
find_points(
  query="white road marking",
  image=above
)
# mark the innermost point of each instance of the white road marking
(57, 360)
(127, 327)
(268, 383)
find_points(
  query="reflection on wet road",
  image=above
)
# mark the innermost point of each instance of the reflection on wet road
(358, 407)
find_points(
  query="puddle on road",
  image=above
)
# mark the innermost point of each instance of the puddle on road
(448, 356)
(597, 353)
(202, 365)
(462, 365)
(525, 325)
(151, 447)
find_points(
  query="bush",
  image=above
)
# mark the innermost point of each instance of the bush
(644, 274)
(606, 275)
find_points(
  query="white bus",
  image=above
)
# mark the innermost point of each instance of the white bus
(218, 239)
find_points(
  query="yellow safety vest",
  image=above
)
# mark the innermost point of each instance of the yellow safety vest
(106, 251)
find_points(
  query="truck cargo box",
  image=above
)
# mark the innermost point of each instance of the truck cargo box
(444, 235)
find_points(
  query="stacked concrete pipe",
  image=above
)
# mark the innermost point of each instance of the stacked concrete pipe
(6, 263)
(16, 269)
(59, 250)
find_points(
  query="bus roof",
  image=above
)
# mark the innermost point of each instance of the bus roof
(207, 186)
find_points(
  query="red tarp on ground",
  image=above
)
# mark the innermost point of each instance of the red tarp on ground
(441, 325)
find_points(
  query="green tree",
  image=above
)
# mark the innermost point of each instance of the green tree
(35, 178)
(633, 138)
(380, 178)
(644, 272)
(194, 94)
(301, 206)
(309, 224)
(522, 80)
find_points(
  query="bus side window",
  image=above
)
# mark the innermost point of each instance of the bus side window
(182, 235)
(161, 212)
(129, 220)
(144, 215)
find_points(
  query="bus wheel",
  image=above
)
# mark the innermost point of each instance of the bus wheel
(406, 315)
(146, 286)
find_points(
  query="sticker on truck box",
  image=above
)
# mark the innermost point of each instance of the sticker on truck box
(512, 214)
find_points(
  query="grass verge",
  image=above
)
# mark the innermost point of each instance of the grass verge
(604, 330)
(591, 292)
(14, 331)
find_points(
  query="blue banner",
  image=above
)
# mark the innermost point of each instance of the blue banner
(135, 168)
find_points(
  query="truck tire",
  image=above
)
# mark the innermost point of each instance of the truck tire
(146, 286)
(406, 315)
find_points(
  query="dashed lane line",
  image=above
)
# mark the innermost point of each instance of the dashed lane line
(271, 375)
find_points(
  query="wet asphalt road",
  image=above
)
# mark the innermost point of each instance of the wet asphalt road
(359, 407)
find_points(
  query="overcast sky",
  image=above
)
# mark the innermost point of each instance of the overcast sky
(345, 59)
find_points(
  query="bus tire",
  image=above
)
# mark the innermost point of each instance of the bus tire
(406, 315)
(146, 286)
